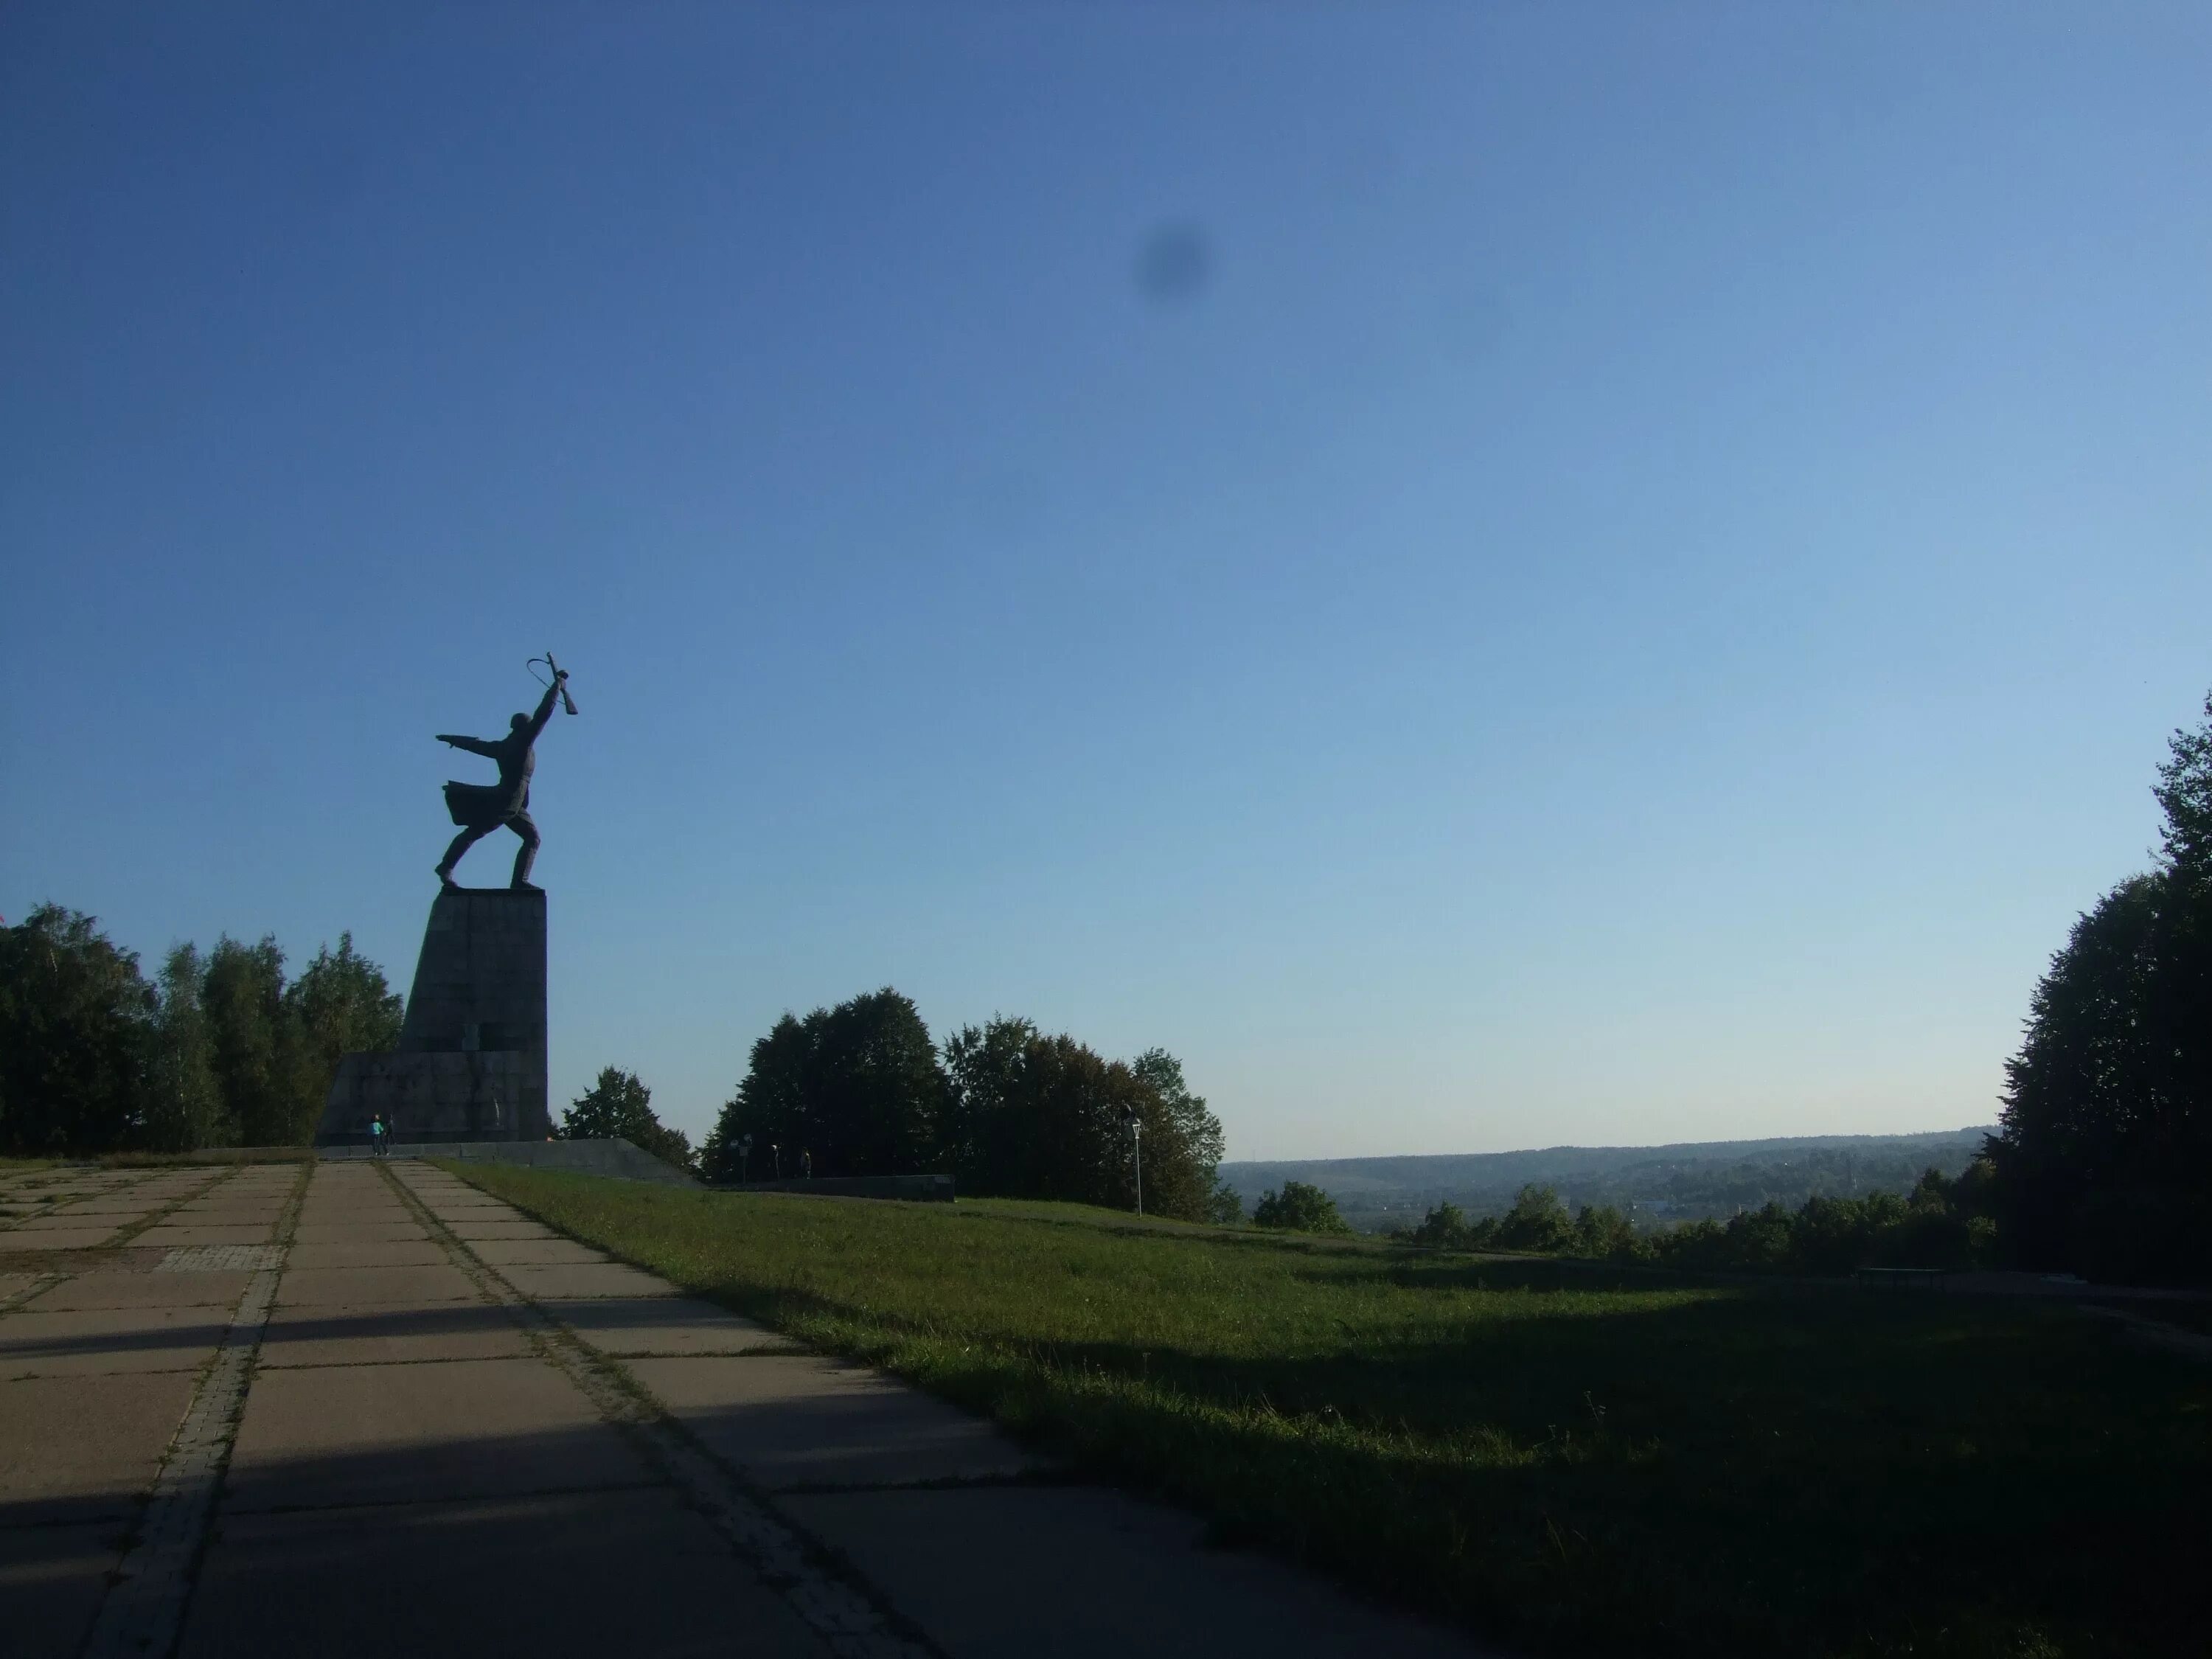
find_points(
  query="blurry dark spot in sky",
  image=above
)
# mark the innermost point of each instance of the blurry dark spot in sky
(1174, 264)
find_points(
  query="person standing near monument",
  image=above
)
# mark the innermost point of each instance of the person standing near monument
(479, 809)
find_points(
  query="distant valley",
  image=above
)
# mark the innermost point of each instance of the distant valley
(1651, 1184)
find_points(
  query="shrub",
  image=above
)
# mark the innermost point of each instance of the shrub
(1298, 1208)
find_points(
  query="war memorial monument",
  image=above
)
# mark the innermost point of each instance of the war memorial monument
(470, 1063)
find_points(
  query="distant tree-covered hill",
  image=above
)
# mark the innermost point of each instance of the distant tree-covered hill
(1650, 1184)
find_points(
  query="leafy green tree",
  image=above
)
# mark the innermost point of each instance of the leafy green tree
(2104, 1153)
(1443, 1228)
(184, 1105)
(1008, 1110)
(1033, 1116)
(985, 1135)
(75, 1035)
(339, 1005)
(1065, 1118)
(1537, 1221)
(618, 1106)
(2183, 793)
(253, 1054)
(857, 1086)
(1196, 1142)
(221, 1052)
(770, 1101)
(1224, 1205)
(1600, 1232)
(1298, 1208)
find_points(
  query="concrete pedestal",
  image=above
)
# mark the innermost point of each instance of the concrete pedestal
(470, 1064)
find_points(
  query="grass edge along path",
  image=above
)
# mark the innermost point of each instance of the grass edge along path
(1558, 1457)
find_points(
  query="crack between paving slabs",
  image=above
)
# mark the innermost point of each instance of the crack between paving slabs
(155, 1217)
(96, 1255)
(142, 1615)
(852, 1618)
(38, 1286)
(47, 1206)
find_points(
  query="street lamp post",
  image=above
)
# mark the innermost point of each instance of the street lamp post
(1136, 1152)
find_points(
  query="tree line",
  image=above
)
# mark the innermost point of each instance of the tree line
(2103, 1157)
(2102, 1161)
(219, 1049)
(1944, 1222)
(863, 1089)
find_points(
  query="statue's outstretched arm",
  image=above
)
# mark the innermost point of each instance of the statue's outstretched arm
(474, 746)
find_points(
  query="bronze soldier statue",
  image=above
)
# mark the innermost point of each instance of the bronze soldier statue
(481, 808)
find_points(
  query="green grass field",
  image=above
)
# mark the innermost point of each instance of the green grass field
(1559, 1457)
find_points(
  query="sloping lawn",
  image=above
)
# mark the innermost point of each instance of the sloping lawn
(1559, 1457)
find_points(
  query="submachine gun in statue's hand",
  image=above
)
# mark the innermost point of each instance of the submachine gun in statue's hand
(560, 678)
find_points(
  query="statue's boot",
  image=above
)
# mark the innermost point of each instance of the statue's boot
(524, 856)
(460, 844)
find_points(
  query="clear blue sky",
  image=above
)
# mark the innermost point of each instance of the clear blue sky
(1626, 585)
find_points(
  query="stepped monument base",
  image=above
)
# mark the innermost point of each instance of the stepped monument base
(470, 1064)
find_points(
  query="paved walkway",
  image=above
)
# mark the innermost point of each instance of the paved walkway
(351, 1409)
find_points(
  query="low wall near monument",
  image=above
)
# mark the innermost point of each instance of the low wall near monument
(914, 1189)
(470, 1064)
(616, 1158)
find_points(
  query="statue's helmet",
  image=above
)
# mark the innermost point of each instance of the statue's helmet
(518, 722)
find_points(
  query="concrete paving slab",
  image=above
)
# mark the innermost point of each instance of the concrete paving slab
(14, 1284)
(355, 1221)
(415, 1433)
(105, 1341)
(352, 1204)
(587, 1278)
(1009, 1572)
(169, 1234)
(534, 1252)
(569, 1577)
(475, 1214)
(623, 1325)
(475, 1229)
(421, 1252)
(64, 1222)
(789, 1421)
(365, 1287)
(234, 1198)
(17, 1243)
(226, 1215)
(341, 1233)
(51, 1579)
(83, 1448)
(118, 1288)
(381, 1336)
